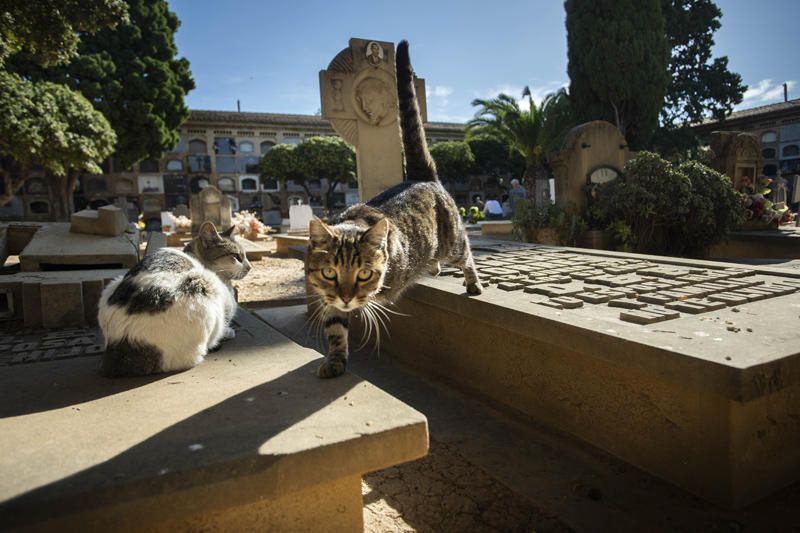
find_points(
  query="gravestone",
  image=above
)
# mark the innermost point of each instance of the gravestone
(211, 205)
(128, 207)
(592, 153)
(299, 218)
(181, 210)
(737, 154)
(358, 94)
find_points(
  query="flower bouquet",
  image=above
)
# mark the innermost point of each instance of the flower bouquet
(250, 227)
(761, 213)
(181, 223)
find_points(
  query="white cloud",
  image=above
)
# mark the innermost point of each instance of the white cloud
(763, 92)
(439, 94)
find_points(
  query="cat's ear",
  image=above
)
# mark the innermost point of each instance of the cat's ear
(228, 233)
(320, 233)
(376, 235)
(208, 232)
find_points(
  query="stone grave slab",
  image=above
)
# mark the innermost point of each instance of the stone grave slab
(55, 247)
(54, 299)
(250, 439)
(698, 386)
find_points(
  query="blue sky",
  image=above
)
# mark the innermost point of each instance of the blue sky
(268, 53)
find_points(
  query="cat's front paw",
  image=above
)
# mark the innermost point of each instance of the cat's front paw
(474, 288)
(331, 368)
(229, 334)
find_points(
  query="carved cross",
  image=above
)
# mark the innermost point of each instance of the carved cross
(358, 93)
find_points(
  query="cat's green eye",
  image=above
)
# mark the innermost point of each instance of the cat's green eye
(328, 273)
(364, 274)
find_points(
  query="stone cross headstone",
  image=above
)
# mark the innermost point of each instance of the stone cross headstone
(358, 93)
(299, 218)
(210, 204)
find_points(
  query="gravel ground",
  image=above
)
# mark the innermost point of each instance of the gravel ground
(272, 278)
(444, 492)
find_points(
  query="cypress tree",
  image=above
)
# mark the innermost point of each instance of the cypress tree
(617, 63)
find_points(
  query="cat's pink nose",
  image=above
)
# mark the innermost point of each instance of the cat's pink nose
(346, 300)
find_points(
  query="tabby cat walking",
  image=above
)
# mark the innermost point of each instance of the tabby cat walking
(173, 307)
(376, 250)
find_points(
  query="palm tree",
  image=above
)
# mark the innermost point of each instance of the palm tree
(533, 132)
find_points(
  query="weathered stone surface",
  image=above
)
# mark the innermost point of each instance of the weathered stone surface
(62, 304)
(91, 290)
(250, 439)
(155, 241)
(210, 205)
(690, 395)
(54, 246)
(108, 220)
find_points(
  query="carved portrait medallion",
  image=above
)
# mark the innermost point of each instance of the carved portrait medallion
(375, 101)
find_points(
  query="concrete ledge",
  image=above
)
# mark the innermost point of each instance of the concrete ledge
(765, 244)
(249, 439)
(496, 227)
(711, 410)
(284, 241)
(54, 247)
(34, 306)
(254, 250)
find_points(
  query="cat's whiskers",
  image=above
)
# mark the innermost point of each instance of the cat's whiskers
(388, 310)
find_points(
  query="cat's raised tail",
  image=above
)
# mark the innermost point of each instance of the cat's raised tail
(419, 163)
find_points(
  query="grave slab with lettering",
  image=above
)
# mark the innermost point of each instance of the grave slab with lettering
(687, 369)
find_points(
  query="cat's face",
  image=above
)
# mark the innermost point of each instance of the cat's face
(220, 252)
(346, 264)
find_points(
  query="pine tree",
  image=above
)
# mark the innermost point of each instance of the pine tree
(618, 54)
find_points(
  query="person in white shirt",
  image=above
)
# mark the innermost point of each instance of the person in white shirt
(493, 210)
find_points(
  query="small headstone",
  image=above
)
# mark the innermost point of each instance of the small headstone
(210, 205)
(299, 218)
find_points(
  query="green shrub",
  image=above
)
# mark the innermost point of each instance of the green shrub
(661, 208)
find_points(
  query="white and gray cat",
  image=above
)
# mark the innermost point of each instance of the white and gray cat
(169, 310)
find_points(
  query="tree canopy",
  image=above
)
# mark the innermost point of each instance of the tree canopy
(531, 133)
(46, 123)
(617, 63)
(698, 85)
(454, 159)
(328, 158)
(48, 29)
(495, 158)
(282, 164)
(132, 75)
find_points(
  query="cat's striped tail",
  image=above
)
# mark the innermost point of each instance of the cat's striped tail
(419, 163)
